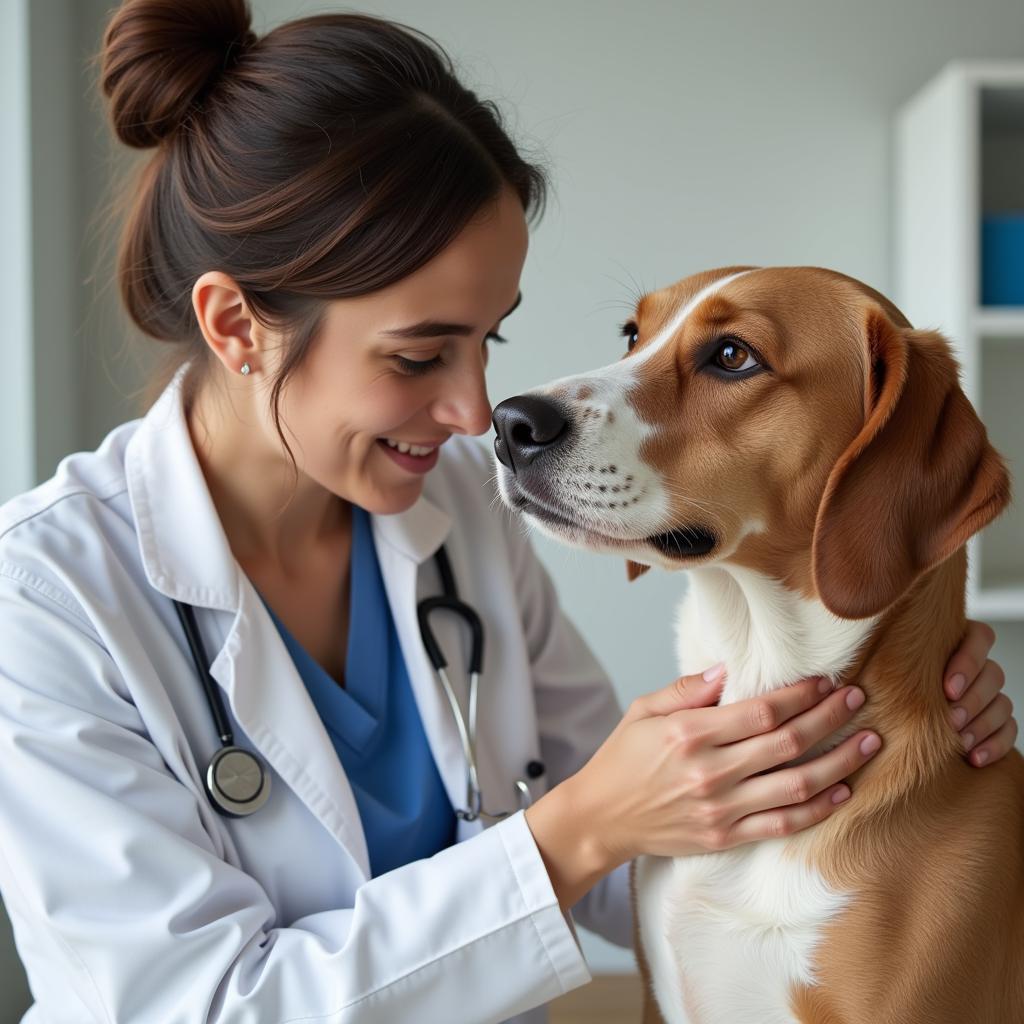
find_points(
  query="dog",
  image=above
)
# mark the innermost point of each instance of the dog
(785, 436)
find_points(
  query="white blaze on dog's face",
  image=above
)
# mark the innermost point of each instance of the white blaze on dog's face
(786, 419)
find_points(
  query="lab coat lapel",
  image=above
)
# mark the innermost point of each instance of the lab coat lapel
(404, 543)
(272, 705)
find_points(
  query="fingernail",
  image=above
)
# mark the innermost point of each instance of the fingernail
(968, 740)
(713, 674)
(825, 685)
(957, 685)
(980, 757)
(959, 717)
(870, 744)
(841, 794)
(855, 698)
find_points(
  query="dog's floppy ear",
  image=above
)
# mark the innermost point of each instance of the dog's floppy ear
(634, 569)
(914, 484)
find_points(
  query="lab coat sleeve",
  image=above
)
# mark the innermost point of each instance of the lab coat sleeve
(114, 882)
(576, 711)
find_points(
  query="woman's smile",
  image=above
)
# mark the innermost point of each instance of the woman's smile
(415, 458)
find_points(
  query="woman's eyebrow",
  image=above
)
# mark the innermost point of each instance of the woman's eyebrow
(438, 328)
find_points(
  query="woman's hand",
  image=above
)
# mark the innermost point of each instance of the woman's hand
(981, 712)
(678, 776)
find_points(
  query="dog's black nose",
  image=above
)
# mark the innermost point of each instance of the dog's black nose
(527, 426)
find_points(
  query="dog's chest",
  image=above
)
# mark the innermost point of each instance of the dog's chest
(728, 935)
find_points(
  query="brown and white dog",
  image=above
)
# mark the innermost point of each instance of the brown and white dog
(785, 436)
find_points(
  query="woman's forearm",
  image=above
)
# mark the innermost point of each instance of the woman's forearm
(569, 844)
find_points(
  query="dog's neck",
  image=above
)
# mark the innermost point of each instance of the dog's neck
(769, 637)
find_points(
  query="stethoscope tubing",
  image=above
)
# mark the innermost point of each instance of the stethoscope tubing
(238, 781)
(187, 615)
(449, 600)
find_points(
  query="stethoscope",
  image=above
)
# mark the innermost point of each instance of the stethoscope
(238, 780)
(449, 600)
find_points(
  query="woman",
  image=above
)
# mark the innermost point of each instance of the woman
(329, 235)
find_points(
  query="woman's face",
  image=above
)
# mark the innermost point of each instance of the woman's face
(404, 366)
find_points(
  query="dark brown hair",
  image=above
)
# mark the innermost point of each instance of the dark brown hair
(327, 159)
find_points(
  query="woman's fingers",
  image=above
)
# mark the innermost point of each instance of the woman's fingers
(731, 722)
(686, 692)
(795, 736)
(996, 746)
(968, 659)
(991, 719)
(799, 785)
(979, 696)
(784, 821)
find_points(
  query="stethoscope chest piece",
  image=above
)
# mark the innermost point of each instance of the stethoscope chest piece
(237, 782)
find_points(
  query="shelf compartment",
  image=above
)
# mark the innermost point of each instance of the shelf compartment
(1000, 322)
(997, 603)
(999, 552)
(1002, 194)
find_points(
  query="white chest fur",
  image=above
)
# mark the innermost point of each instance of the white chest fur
(727, 935)
(767, 636)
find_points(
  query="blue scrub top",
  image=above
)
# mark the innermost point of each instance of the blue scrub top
(375, 724)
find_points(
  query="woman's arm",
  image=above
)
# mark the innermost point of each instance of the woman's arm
(128, 911)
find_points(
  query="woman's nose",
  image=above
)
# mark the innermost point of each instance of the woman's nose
(464, 405)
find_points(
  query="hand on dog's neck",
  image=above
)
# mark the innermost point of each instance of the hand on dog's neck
(768, 636)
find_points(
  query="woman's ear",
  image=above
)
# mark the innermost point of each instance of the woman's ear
(914, 484)
(225, 320)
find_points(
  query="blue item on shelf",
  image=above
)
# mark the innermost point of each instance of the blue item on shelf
(1002, 259)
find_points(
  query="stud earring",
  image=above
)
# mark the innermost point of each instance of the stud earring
(246, 369)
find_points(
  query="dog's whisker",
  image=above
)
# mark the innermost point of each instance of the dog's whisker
(715, 507)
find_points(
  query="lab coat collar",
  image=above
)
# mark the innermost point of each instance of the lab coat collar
(185, 552)
(416, 533)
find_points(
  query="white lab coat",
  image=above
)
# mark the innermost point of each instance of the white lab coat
(132, 900)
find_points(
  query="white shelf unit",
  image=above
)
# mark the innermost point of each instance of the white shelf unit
(960, 156)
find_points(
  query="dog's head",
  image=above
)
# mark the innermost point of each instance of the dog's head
(786, 419)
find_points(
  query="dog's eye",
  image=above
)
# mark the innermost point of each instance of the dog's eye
(631, 333)
(731, 355)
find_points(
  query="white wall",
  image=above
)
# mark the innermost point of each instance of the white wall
(680, 136)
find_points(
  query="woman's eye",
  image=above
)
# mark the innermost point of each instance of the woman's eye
(631, 333)
(731, 355)
(415, 367)
(495, 336)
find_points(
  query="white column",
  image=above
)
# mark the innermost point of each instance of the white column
(17, 404)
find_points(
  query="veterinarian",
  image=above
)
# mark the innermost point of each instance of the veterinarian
(234, 784)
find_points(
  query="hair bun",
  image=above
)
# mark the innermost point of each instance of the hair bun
(160, 56)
